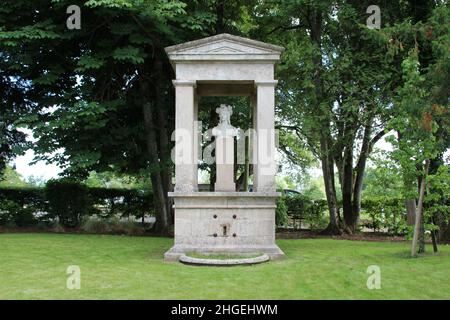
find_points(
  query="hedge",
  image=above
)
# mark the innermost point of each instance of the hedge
(387, 214)
(68, 202)
(21, 207)
(303, 209)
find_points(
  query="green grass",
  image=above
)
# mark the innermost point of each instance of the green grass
(33, 266)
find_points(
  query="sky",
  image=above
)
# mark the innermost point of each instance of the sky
(40, 169)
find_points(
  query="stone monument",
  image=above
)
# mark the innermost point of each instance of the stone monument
(224, 220)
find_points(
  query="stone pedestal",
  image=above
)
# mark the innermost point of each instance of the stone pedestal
(224, 222)
(224, 164)
(224, 134)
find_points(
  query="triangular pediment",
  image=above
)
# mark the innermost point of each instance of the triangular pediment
(223, 44)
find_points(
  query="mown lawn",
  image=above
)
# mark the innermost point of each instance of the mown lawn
(33, 266)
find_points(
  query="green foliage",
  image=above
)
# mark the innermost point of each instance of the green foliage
(421, 108)
(339, 82)
(12, 179)
(129, 53)
(122, 202)
(68, 200)
(437, 202)
(12, 214)
(385, 213)
(281, 217)
(82, 86)
(21, 207)
(382, 178)
(311, 187)
(112, 180)
(312, 212)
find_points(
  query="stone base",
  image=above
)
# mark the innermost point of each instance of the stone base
(174, 254)
(224, 222)
(224, 262)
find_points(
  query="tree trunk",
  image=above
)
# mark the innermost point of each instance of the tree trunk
(366, 149)
(220, 11)
(434, 240)
(410, 211)
(350, 217)
(422, 236)
(419, 212)
(164, 141)
(330, 191)
(410, 204)
(159, 197)
(315, 21)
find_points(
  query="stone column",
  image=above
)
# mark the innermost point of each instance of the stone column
(254, 141)
(265, 169)
(197, 138)
(185, 139)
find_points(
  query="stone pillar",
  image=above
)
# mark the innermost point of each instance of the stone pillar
(224, 162)
(265, 141)
(224, 133)
(185, 139)
(254, 140)
(197, 138)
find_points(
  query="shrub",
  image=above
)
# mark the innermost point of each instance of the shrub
(281, 217)
(58, 228)
(122, 202)
(25, 218)
(8, 209)
(129, 228)
(302, 208)
(68, 200)
(94, 225)
(13, 214)
(18, 205)
(111, 225)
(43, 225)
(386, 213)
(315, 214)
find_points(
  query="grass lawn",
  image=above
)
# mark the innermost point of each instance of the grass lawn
(33, 266)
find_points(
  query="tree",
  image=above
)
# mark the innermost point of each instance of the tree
(338, 82)
(13, 106)
(382, 178)
(102, 93)
(334, 90)
(100, 98)
(421, 111)
(11, 178)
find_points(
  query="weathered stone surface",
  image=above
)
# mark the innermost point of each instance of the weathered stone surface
(248, 217)
(224, 221)
(222, 262)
